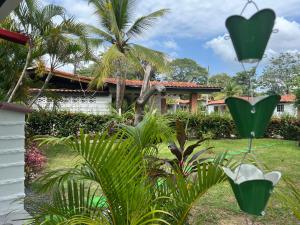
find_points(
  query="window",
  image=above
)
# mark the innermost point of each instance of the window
(280, 108)
(216, 109)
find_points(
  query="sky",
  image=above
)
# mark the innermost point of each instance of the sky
(196, 28)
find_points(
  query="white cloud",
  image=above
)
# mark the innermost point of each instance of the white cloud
(187, 18)
(171, 45)
(205, 19)
(287, 39)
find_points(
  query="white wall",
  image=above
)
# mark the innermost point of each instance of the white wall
(11, 161)
(74, 103)
(211, 108)
(289, 109)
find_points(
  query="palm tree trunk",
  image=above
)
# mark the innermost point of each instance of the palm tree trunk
(49, 76)
(120, 92)
(28, 59)
(145, 94)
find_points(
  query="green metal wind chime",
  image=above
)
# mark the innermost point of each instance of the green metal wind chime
(252, 188)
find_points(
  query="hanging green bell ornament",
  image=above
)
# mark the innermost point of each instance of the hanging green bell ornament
(252, 188)
(252, 119)
(250, 36)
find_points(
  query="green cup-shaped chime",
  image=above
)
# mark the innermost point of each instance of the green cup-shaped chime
(252, 188)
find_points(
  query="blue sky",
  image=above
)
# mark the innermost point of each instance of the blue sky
(196, 28)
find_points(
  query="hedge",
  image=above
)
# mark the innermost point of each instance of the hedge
(215, 126)
(63, 124)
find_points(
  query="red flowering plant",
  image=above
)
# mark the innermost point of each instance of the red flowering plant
(35, 161)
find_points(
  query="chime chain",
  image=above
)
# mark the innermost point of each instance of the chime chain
(250, 85)
(248, 3)
(244, 157)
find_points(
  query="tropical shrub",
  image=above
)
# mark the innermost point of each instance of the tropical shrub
(185, 162)
(216, 126)
(153, 130)
(286, 127)
(114, 167)
(64, 124)
(34, 161)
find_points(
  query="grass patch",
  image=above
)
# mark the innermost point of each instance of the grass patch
(218, 206)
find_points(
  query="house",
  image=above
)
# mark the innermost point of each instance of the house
(72, 94)
(285, 107)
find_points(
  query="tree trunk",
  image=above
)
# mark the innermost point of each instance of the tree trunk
(142, 101)
(120, 92)
(28, 59)
(146, 93)
(49, 76)
(146, 81)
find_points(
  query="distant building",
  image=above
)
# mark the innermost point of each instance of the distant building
(73, 94)
(285, 107)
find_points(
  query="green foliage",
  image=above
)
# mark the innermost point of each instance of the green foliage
(199, 125)
(13, 57)
(115, 166)
(222, 126)
(118, 28)
(297, 102)
(286, 127)
(219, 80)
(232, 86)
(243, 79)
(152, 130)
(282, 74)
(291, 197)
(63, 124)
(187, 70)
(185, 162)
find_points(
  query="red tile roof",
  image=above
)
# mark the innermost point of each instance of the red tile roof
(284, 99)
(134, 83)
(288, 98)
(64, 90)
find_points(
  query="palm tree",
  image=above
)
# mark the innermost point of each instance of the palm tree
(119, 29)
(231, 89)
(110, 186)
(13, 58)
(47, 37)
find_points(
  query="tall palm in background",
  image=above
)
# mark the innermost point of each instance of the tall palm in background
(118, 28)
(231, 89)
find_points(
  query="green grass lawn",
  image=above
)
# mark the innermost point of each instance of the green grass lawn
(218, 206)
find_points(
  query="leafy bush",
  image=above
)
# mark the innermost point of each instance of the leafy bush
(64, 124)
(286, 127)
(199, 125)
(34, 161)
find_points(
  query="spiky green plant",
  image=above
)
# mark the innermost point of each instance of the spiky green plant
(116, 170)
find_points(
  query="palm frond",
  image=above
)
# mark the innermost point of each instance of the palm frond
(155, 58)
(116, 166)
(148, 133)
(51, 11)
(186, 192)
(71, 200)
(100, 33)
(143, 23)
(108, 61)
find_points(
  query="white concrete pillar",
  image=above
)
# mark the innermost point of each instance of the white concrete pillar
(12, 142)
